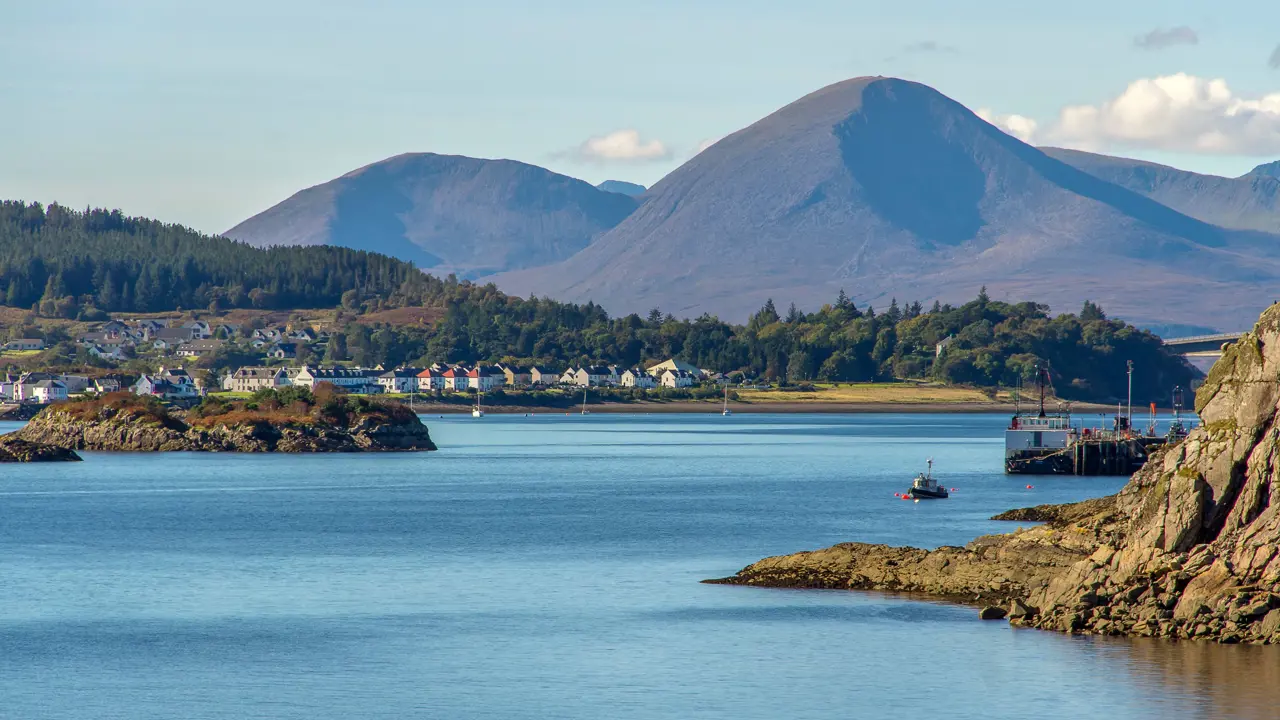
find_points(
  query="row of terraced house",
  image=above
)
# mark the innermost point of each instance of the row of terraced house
(459, 378)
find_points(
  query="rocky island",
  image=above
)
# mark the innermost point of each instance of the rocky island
(292, 420)
(1189, 548)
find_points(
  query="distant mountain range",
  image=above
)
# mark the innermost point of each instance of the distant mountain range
(620, 186)
(882, 187)
(447, 214)
(1249, 202)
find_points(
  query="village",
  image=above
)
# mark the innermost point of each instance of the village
(172, 347)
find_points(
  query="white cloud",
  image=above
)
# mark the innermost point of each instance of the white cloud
(1161, 38)
(1019, 126)
(622, 146)
(1178, 113)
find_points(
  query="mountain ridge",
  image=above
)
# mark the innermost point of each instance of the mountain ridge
(888, 188)
(446, 213)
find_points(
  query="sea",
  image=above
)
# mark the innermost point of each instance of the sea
(548, 566)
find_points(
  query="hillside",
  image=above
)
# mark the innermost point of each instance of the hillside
(72, 264)
(445, 213)
(1251, 202)
(888, 188)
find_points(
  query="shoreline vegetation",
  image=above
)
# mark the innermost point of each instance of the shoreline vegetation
(808, 398)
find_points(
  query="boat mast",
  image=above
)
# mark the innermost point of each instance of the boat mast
(1040, 375)
(1129, 413)
(584, 399)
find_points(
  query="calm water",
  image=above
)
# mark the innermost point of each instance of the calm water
(548, 567)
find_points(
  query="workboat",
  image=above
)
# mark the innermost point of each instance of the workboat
(924, 486)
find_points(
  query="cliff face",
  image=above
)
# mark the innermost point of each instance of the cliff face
(124, 432)
(1190, 548)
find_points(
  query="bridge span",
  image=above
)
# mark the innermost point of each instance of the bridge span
(1202, 345)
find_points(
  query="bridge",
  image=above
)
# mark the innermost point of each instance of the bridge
(1202, 345)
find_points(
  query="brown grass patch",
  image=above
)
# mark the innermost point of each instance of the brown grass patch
(406, 316)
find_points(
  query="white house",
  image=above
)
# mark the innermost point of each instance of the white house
(942, 345)
(673, 364)
(400, 380)
(179, 383)
(594, 376)
(74, 383)
(196, 348)
(543, 376)
(483, 378)
(253, 379)
(200, 330)
(455, 379)
(637, 378)
(47, 391)
(350, 379)
(677, 379)
(430, 379)
(24, 344)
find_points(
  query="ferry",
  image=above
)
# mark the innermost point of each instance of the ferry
(1049, 443)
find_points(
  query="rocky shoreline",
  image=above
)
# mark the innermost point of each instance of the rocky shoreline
(133, 428)
(14, 449)
(1188, 549)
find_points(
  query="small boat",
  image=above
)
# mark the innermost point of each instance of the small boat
(477, 411)
(584, 401)
(726, 412)
(924, 486)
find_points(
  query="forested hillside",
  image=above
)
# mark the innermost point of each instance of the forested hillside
(72, 264)
(987, 343)
(66, 264)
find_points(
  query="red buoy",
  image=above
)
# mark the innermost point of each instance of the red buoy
(1029, 487)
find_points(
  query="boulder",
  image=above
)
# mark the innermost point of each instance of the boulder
(991, 612)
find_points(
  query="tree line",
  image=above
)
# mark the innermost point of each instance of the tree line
(83, 264)
(75, 264)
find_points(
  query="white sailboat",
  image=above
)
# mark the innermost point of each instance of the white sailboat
(478, 411)
(726, 412)
(584, 400)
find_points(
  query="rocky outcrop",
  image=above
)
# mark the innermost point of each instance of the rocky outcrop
(1190, 548)
(129, 433)
(14, 449)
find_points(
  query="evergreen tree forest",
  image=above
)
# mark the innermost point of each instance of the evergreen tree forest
(63, 263)
(73, 264)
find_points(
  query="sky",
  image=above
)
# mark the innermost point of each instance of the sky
(207, 113)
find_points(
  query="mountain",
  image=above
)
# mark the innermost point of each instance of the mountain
(622, 187)
(887, 188)
(1271, 169)
(446, 213)
(1251, 202)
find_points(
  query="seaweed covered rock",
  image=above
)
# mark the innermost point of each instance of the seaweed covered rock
(15, 449)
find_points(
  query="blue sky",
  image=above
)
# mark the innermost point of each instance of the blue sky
(205, 113)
